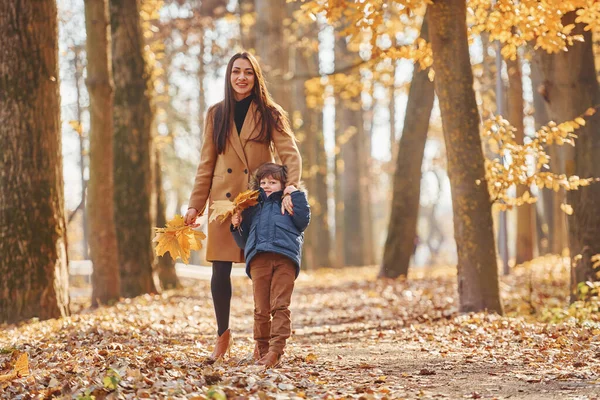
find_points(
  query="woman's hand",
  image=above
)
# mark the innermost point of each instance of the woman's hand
(236, 219)
(190, 217)
(286, 202)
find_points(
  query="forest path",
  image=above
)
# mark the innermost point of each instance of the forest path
(354, 337)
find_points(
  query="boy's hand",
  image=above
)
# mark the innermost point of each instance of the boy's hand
(286, 202)
(236, 219)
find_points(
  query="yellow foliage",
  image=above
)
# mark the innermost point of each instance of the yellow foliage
(567, 208)
(19, 369)
(178, 239)
(517, 23)
(222, 209)
(76, 125)
(512, 166)
(514, 23)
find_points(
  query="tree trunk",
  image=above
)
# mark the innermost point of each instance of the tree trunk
(132, 146)
(78, 74)
(525, 233)
(33, 248)
(247, 24)
(272, 48)
(487, 84)
(338, 173)
(571, 86)
(349, 139)
(555, 218)
(324, 252)
(100, 206)
(402, 229)
(199, 257)
(366, 178)
(308, 124)
(201, 92)
(477, 268)
(165, 265)
(392, 111)
(545, 227)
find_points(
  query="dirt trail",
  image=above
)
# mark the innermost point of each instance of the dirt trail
(354, 337)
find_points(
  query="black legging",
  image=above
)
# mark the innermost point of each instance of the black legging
(220, 286)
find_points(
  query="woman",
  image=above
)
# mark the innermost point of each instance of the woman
(240, 134)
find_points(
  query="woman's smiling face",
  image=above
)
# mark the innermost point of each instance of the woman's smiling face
(242, 78)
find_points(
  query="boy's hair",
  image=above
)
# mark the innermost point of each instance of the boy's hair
(276, 171)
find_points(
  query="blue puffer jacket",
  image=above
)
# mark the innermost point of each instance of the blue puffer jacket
(265, 229)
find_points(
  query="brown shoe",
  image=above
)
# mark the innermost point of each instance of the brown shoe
(259, 351)
(270, 360)
(223, 345)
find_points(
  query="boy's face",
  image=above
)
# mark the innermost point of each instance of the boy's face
(270, 185)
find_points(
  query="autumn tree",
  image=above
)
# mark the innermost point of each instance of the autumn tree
(77, 125)
(477, 268)
(552, 225)
(525, 213)
(132, 149)
(165, 264)
(308, 126)
(272, 49)
(570, 85)
(351, 164)
(33, 249)
(402, 228)
(100, 205)
(247, 17)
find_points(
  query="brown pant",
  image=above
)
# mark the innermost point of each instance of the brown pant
(273, 278)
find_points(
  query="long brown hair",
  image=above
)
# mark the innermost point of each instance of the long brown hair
(269, 113)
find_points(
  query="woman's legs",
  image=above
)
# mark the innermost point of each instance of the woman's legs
(220, 287)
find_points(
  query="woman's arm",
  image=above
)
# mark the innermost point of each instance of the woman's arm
(285, 144)
(204, 174)
(301, 215)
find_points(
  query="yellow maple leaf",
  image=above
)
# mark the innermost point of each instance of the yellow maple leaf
(246, 199)
(177, 222)
(178, 239)
(20, 367)
(221, 209)
(197, 240)
(166, 241)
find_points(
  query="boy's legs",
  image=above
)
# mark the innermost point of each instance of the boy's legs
(282, 286)
(261, 271)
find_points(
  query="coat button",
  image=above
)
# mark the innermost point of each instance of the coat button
(229, 170)
(228, 195)
(245, 171)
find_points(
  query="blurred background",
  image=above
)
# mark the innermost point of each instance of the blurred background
(188, 44)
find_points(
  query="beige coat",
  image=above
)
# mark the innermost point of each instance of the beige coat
(223, 176)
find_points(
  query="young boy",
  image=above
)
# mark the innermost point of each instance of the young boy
(272, 244)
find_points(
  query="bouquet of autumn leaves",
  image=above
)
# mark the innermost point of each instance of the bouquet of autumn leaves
(180, 239)
(221, 209)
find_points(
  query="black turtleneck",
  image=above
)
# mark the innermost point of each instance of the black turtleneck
(240, 111)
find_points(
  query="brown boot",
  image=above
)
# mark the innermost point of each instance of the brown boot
(270, 360)
(223, 345)
(259, 351)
